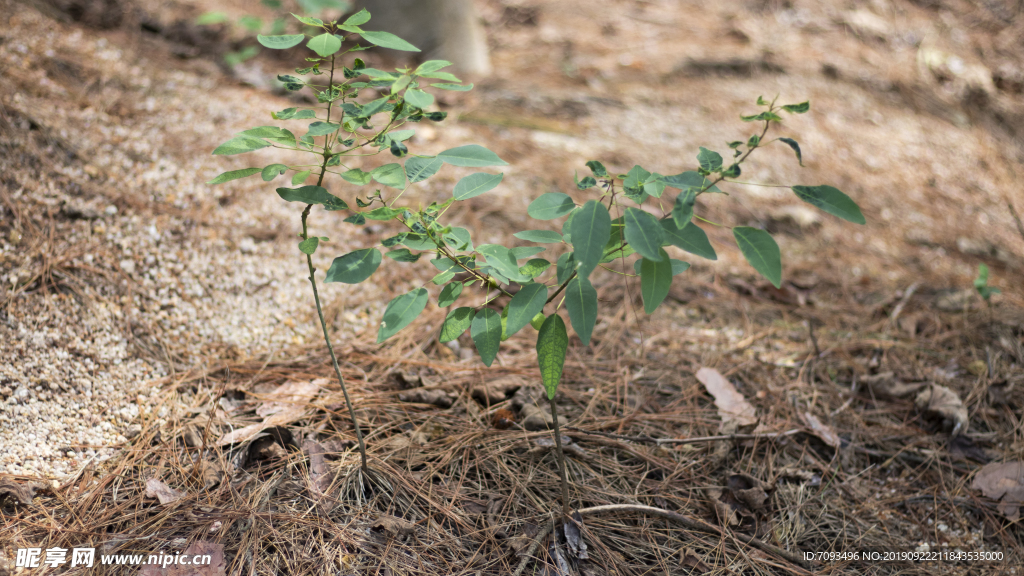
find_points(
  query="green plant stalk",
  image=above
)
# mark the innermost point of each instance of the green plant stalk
(561, 459)
(327, 339)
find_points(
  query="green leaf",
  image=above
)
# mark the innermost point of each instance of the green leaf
(762, 102)
(597, 168)
(444, 76)
(564, 267)
(402, 255)
(356, 176)
(709, 160)
(431, 66)
(614, 248)
(981, 283)
(644, 234)
(383, 213)
(280, 42)
(503, 261)
(486, 333)
(293, 114)
(273, 134)
(312, 195)
(534, 267)
(308, 246)
(325, 44)
(552, 344)
(655, 281)
(690, 179)
(550, 206)
(526, 304)
(679, 266)
(323, 128)
(398, 149)
(208, 18)
(760, 249)
(753, 141)
(459, 238)
(691, 238)
(300, 177)
(357, 219)
(587, 182)
(239, 145)
(581, 301)
(796, 148)
(391, 175)
(449, 294)
(522, 252)
(472, 156)
(732, 171)
(682, 211)
(590, 230)
(354, 267)
(635, 179)
(234, 175)
(291, 82)
(761, 117)
(539, 236)
(456, 323)
(401, 84)
(797, 108)
(388, 40)
(832, 201)
(400, 312)
(374, 106)
(309, 21)
(418, 168)
(453, 87)
(654, 185)
(418, 98)
(358, 19)
(476, 184)
(273, 171)
(401, 135)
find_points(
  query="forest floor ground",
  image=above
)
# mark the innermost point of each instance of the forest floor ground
(144, 315)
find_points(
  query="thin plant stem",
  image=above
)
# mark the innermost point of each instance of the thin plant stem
(561, 459)
(327, 339)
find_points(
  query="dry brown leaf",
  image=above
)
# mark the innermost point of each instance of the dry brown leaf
(435, 396)
(573, 537)
(886, 385)
(942, 402)
(162, 492)
(692, 562)
(726, 515)
(216, 566)
(21, 493)
(393, 525)
(492, 392)
(288, 396)
(749, 490)
(733, 408)
(534, 418)
(319, 472)
(286, 404)
(821, 430)
(1004, 482)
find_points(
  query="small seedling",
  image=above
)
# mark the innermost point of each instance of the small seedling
(342, 128)
(981, 284)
